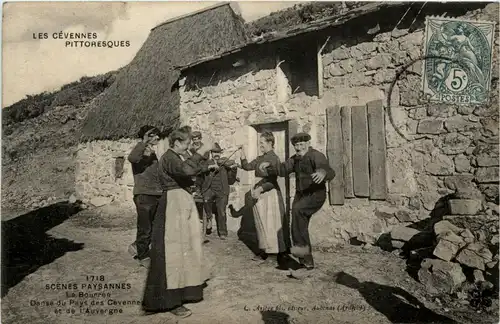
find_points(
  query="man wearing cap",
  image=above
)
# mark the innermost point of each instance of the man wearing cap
(311, 170)
(147, 190)
(216, 188)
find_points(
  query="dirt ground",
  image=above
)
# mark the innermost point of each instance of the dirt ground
(350, 285)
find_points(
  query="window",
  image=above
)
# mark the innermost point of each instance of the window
(300, 67)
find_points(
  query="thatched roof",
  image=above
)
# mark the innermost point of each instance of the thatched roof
(145, 91)
(326, 15)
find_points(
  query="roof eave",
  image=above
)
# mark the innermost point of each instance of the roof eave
(300, 29)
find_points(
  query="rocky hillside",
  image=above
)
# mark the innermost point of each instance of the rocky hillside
(40, 134)
(73, 94)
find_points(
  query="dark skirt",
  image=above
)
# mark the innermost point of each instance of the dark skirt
(157, 296)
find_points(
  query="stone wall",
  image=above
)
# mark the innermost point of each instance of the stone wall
(222, 104)
(450, 148)
(447, 147)
(248, 96)
(97, 183)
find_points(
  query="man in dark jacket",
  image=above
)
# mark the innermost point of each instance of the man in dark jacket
(216, 188)
(147, 190)
(312, 171)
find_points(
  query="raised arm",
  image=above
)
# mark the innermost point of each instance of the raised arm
(245, 165)
(137, 152)
(248, 166)
(178, 168)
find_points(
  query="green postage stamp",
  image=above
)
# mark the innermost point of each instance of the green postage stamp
(458, 60)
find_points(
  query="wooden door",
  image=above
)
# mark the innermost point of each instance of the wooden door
(281, 148)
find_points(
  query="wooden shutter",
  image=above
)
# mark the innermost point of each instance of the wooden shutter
(345, 116)
(356, 150)
(335, 153)
(360, 167)
(377, 151)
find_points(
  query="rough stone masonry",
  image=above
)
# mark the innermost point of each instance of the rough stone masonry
(452, 149)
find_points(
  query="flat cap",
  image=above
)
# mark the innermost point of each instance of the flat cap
(196, 134)
(300, 137)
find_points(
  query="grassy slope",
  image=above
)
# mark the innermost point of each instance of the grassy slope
(39, 139)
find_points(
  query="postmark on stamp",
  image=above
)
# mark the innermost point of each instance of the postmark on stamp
(458, 64)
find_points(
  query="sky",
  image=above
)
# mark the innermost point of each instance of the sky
(32, 64)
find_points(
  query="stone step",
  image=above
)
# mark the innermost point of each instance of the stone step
(403, 233)
(465, 206)
(449, 243)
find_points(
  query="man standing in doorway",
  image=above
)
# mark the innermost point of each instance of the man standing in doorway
(147, 190)
(311, 170)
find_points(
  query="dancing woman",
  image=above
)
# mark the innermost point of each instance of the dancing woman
(269, 209)
(176, 273)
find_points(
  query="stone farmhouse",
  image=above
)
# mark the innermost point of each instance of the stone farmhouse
(353, 81)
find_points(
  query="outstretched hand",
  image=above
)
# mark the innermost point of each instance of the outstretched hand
(257, 192)
(264, 165)
(319, 176)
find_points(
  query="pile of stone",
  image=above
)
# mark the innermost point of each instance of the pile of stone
(406, 238)
(456, 252)
(457, 249)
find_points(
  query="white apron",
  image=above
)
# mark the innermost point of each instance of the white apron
(269, 213)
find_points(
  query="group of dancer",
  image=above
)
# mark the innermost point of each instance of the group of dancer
(169, 234)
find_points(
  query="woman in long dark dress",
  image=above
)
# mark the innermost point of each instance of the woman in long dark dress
(269, 209)
(176, 275)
